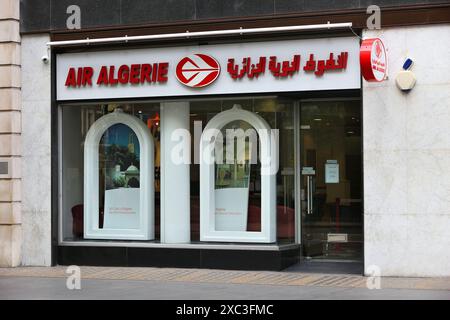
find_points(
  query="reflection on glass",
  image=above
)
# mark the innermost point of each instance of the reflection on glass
(234, 171)
(77, 119)
(279, 114)
(119, 163)
(331, 193)
(232, 176)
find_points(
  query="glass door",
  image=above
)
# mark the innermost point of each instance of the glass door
(331, 179)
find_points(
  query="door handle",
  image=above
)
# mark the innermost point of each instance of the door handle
(309, 194)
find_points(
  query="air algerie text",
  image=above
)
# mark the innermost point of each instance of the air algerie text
(110, 75)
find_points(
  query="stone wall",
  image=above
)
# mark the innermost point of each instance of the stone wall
(36, 154)
(10, 135)
(407, 157)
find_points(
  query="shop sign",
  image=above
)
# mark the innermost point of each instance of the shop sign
(257, 67)
(373, 60)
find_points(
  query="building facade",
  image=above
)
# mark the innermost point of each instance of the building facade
(104, 155)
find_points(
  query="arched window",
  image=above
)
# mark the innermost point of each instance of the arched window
(268, 157)
(128, 204)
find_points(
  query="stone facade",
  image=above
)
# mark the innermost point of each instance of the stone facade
(10, 135)
(36, 154)
(406, 140)
(407, 157)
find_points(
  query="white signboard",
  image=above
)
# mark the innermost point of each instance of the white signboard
(332, 172)
(308, 171)
(122, 208)
(231, 209)
(256, 67)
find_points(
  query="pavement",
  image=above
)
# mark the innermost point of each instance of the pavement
(172, 283)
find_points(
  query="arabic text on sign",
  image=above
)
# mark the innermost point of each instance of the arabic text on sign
(319, 67)
(286, 68)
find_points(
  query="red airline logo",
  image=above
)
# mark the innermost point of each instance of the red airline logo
(198, 70)
(373, 60)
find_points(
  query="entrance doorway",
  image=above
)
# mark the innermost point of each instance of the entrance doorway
(331, 180)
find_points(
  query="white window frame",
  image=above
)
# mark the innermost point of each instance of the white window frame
(207, 183)
(146, 230)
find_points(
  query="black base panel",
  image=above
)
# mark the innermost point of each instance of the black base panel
(270, 260)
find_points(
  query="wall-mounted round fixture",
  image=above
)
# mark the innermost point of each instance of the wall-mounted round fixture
(406, 79)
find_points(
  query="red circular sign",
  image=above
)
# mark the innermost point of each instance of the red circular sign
(373, 60)
(198, 70)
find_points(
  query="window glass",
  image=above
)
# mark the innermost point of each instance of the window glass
(279, 114)
(120, 164)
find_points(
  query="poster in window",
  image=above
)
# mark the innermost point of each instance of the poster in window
(331, 171)
(120, 156)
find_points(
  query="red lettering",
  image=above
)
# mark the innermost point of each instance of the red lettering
(88, 72)
(103, 76)
(146, 70)
(155, 72)
(71, 78)
(79, 75)
(111, 78)
(134, 73)
(162, 72)
(123, 74)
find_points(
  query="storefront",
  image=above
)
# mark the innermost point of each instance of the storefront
(214, 152)
(242, 140)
